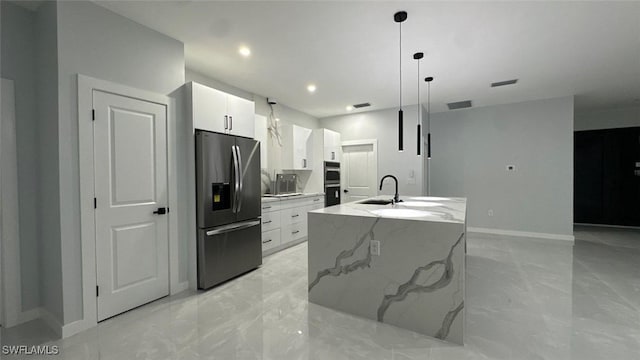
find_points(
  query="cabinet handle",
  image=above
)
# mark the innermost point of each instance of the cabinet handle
(267, 207)
(295, 232)
(296, 215)
(267, 222)
(333, 155)
(316, 199)
(230, 122)
(264, 242)
(226, 122)
(304, 163)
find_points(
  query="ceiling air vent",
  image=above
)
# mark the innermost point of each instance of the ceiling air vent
(459, 105)
(362, 105)
(503, 83)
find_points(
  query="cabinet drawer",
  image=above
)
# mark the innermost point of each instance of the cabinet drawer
(270, 239)
(293, 215)
(270, 221)
(293, 232)
(270, 206)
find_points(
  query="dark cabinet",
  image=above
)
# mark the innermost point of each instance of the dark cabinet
(607, 176)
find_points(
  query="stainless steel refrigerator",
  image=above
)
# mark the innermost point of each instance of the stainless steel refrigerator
(227, 206)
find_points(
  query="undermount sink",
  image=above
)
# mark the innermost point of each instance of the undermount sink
(376, 202)
(401, 213)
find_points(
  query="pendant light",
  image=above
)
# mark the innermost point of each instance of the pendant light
(428, 80)
(418, 56)
(400, 17)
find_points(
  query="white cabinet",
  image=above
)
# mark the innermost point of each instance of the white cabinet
(215, 110)
(297, 147)
(332, 145)
(284, 222)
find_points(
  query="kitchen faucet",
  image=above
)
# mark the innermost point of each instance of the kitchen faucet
(396, 197)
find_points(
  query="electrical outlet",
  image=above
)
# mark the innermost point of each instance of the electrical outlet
(374, 245)
(490, 212)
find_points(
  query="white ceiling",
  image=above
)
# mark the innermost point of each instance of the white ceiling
(350, 49)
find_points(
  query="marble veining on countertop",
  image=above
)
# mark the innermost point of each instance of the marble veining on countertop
(420, 208)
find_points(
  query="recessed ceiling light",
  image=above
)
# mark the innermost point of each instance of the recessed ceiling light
(311, 88)
(244, 51)
(349, 108)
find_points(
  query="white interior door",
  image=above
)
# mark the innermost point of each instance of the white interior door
(359, 168)
(132, 247)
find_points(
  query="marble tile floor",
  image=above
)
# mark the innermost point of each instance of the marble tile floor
(525, 300)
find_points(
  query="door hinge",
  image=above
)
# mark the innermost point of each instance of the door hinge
(95, 203)
(97, 291)
(93, 114)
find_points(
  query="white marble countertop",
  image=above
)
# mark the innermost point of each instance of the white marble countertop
(417, 208)
(266, 199)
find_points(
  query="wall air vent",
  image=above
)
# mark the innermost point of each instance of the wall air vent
(362, 105)
(503, 83)
(459, 105)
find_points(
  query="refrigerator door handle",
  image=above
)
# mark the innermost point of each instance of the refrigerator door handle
(236, 175)
(233, 227)
(240, 178)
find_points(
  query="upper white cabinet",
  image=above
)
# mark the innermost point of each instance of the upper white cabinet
(297, 147)
(215, 110)
(332, 145)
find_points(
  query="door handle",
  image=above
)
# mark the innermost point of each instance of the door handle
(240, 179)
(233, 227)
(161, 211)
(236, 175)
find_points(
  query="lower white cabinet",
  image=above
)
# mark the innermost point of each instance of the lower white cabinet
(284, 222)
(270, 239)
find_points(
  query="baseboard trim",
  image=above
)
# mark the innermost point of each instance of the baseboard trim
(52, 322)
(77, 327)
(565, 239)
(180, 287)
(609, 226)
(27, 316)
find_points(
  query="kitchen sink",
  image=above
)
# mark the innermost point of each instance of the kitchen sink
(376, 202)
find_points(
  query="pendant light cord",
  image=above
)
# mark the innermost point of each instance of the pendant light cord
(400, 64)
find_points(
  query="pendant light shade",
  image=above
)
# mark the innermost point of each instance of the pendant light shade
(428, 80)
(400, 17)
(418, 56)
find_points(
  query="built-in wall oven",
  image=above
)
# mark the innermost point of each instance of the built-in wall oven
(331, 183)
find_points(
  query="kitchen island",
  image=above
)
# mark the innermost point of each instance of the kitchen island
(401, 264)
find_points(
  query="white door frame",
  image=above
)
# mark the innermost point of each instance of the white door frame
(11, 291)
(374, 143)
(86, 86)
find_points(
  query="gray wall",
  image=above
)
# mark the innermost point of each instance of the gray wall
(18, 64)
(471, 149)
(96, 42)
(382, 125)
(607, 118)
(49, 140)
